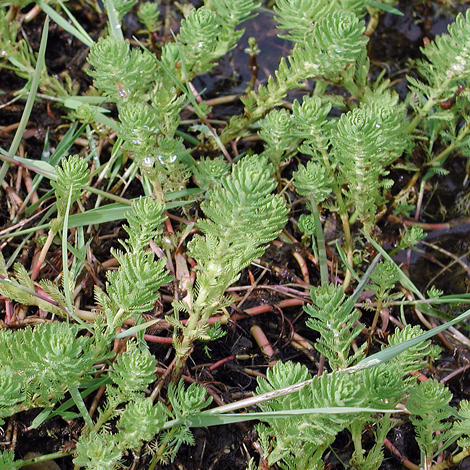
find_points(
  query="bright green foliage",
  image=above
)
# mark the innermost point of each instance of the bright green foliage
(208, 173)
(7, 462)
(350, 157)
(141, 421)
(305, 130)
(205, 35)
(22, 290)
(96, 451)
(12, 392)
(167, 104)
(307, 436)
(307, 224)
(123, 7)
(411, 237)
(461, 427)
(123, 74)
(187, 401)
(446, 74)
(429, 404)
(208, 33)
(145, 221)
(313, 180)
(385, 386)
(383, 280)
(312, 125)
(282, 375)
(242, 217)
(8, 42)
(133, 370)
(412, 359)
(199, 35)
(72, 177)
(300, 26)
(276, 129)
(384, 277)
(366, 141)
(335, 42)
(138, 126)
(300, 442)
(242, 202)
(41, 364)
(148, 15)
(334, 316)
(133, 288)
(232, 13)
(447, 64)
(149, 107)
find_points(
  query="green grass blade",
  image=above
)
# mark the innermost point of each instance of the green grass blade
(66, 143)
(50, 413)
(114, 23)
(320, 242)
(203, 420)
(383, 7)
(65, 267)
(135, 329)
(214, 418)
(78, 400)
(88, 40)
(405, 281)
(344, 260)
(30, 101)
(39, 166)
(100, 215)
(390, 353)
(71, 28)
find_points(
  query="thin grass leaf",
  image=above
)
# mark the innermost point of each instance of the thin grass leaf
(64, 24)
(30, 101)
(135, 329)
(74, 102)
(78, 400)
(66, 143)
(65, 255)
(389, 353)
(114, 23)
(100, 215)
(203, 420)
(89, 41)
(50, 412)
(42, 417)
(344, 260)
(182, 193)
(383, 7)
(320, 242)
(65, 268)
(405, 281)
(39, 166)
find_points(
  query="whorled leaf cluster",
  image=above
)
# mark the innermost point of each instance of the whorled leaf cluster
(40, 365)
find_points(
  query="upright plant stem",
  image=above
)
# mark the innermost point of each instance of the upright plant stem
(427, 107)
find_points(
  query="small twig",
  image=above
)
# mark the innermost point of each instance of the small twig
(404, 461)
